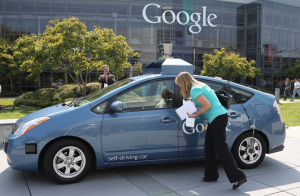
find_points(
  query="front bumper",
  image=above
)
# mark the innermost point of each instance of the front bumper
(14, 147)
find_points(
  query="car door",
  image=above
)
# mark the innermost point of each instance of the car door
(191, 140)
(147, 127)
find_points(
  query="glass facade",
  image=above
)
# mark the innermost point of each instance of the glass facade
(266, 31)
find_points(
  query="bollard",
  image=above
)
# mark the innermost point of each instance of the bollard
(277, 94)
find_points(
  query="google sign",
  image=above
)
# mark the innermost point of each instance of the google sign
(195, 18)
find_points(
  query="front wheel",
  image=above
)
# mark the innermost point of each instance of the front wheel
(67, 161)
(249, 152)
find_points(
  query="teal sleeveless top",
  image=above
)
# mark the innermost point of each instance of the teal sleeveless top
(216, 107)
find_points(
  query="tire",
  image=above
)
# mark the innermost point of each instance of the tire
(63, 167)
(241, 150)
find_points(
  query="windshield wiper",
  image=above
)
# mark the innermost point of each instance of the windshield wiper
(72, 103)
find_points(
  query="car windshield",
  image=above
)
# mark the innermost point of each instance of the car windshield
(101, 92)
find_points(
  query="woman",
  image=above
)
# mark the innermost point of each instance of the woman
(215, 139)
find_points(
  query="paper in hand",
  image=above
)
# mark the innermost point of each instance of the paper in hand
(190, 122)
(187, 107)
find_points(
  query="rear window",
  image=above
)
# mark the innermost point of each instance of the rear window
(242, 95)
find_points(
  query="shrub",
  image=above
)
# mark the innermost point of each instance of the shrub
(50, 96)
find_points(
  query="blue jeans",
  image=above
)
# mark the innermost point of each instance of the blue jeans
(286, 91)
(294, 93)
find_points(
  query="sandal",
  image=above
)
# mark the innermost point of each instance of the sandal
(239, 183)
(208, 180)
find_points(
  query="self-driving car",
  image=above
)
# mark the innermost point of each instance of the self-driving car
(134, 121)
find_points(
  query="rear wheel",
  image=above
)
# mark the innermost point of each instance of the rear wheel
(67, 161)
(249, 152)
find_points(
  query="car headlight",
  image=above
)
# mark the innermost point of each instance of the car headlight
(30, 125)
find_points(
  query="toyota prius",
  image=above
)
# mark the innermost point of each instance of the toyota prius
(134, 122)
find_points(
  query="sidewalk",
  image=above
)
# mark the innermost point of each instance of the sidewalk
(278, 175)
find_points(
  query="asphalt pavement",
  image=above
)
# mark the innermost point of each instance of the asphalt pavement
(278, 175)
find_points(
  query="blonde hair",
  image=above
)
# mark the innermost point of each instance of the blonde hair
(185, 80)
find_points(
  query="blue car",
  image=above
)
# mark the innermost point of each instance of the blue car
(134, 122)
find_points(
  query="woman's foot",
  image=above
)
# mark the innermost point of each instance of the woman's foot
(239, 183)
(208, 180)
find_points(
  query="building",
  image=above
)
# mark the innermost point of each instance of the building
(267, 31)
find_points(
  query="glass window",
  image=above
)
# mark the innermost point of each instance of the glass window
(99, 109)
(28, 5)
(278, 6)
(269, 4)
(241, 95)
(59, 6)
(105, 8)
(277, 20)
(252, 16)
(103, 91)
(121, 8)
(240, 17)
(286, 21)
(204, 2)
(268, 18)
(90, 7)
(217, 86)
(228, 5)
(42, 6)
(12, 6)
(287, 8)
(122, 28)
(153, 95)
(216, 4)
(74, 6)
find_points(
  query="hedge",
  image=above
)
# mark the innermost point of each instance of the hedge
(50, 96)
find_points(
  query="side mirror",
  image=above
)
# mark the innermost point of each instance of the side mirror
(116, 106)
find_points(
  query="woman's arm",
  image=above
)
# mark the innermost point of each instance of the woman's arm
(205, 106)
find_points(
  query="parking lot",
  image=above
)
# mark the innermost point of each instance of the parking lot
(278, 175)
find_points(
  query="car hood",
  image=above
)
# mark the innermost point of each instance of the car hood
(40, 113)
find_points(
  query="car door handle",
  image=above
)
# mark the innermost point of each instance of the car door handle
(233, 114)
(165, 119)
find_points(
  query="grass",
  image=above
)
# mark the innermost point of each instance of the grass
(16, 113)
(289, 111)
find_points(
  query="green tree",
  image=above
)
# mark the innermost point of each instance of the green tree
(137, 67)
(7, 62)
(228, 65)
(117, 52)
(67, 46)
(295, 70)
(29, 55)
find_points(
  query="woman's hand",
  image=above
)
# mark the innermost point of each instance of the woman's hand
(192, 115)
(206, 105)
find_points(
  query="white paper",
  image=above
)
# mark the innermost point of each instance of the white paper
(190, 122)
(105, 85)
(190, 106)
(182, 113)
(187, 107)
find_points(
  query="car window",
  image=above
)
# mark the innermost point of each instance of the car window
(101, 92)
(216, 85)
(153, 95)
(99, 109)
(241, 95)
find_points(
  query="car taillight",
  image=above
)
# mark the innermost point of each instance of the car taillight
(276, 106)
